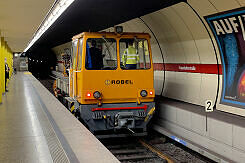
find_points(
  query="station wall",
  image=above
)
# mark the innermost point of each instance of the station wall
(5, 52)
(181, 45)
(186, 57)
(184, 46)
(193, 74)
(188, 68)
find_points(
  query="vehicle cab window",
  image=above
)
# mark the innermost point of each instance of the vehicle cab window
(101, 54)
(134, 54)
(74, 54)
(79, 60)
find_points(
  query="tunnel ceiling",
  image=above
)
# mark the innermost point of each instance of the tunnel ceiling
(95, 15)
(19, 19)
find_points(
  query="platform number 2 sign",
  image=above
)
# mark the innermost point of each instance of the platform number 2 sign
(209, 106)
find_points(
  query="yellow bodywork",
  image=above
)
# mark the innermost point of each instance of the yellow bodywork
(116, 86)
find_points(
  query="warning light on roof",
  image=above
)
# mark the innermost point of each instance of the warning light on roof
(118, 29)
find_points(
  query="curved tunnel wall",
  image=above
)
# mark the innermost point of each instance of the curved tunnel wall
(188, 50)
(181, 40)
(184, 40)
(185, 53)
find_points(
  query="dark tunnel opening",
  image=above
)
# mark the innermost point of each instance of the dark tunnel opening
(41, 62)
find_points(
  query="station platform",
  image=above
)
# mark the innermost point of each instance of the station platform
(36, 127)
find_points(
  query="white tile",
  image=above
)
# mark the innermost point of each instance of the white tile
(220, 131)
(238, 137)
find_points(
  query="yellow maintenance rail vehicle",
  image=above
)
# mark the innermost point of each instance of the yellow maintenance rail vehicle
(111, 82)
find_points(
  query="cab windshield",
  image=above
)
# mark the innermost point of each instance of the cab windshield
(101, 54)
(134, 54)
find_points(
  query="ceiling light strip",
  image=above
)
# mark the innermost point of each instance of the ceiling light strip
(56, 10)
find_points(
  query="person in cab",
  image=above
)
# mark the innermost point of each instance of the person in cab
(130, 57)
(96, 56)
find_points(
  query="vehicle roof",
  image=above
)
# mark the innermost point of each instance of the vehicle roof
(112, 34)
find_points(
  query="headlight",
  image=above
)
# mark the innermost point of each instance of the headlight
(143, 93)
(97, 94)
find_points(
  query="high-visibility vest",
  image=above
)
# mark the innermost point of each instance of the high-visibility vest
(130, 56)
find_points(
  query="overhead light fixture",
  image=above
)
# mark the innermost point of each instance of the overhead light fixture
(56, 10)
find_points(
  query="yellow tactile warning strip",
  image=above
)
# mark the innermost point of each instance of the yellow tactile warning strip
(27, 73)
(157, 151)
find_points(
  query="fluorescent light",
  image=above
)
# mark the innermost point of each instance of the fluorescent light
(56, 10)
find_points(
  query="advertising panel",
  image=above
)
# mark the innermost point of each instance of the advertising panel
(228, 29)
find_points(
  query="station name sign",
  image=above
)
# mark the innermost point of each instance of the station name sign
(190, 68)
(228, 29)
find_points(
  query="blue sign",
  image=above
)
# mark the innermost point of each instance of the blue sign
(178, 140)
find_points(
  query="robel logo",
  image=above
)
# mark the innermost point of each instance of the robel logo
(113, 82)
(107, 82)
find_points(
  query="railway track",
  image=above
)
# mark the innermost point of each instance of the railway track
(135, 150)
(48, 83)
(153, 148)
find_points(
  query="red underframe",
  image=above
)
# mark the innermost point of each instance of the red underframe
(122, 108)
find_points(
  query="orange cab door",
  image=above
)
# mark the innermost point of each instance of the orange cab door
(70, 82)
(73, 69)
